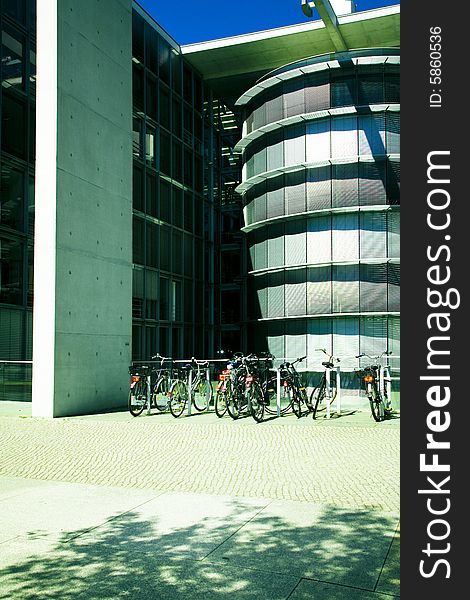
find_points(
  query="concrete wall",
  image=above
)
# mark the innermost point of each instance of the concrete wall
(83, 239)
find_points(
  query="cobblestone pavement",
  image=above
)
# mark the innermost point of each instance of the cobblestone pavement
(348, 462)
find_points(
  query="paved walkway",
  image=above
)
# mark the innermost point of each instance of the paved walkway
(109, 506)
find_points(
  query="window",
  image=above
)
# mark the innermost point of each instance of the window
(12, 59)
(11, 198)
(13, 126)
(11, 271)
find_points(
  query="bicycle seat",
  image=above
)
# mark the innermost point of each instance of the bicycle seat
(329, 365)
(186, 367)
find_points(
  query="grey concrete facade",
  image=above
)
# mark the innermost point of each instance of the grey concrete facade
(83, 242)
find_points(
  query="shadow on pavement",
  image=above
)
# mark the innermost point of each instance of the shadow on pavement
(320, 552)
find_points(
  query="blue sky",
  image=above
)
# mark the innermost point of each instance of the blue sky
(189, 22)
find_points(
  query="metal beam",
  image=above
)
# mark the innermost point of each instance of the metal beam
(329, 18)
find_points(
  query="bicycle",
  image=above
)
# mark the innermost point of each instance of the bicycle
(138, 392)
(159, 395)
(294, 388)
(323, 395)
(200, 391)
(376, 393)
(243, 390)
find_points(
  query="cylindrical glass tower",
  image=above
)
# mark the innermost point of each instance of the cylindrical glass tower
(321, 170)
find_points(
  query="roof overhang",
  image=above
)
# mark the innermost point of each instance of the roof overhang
(232, 64)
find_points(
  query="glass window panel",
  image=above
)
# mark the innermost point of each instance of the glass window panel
(11, 197)
(276, 295)
(12, 59)
(393, 223)
(11, 271)
(151, 99)
(343, 89)
(150, 145)
(164, 61)
(165, 248)
(393, 133)
(152, 244)
(296, 242)
(138, 87)
(13, 126)
(296, 292)
(176, 71)
(151, 49)
(319, 291)
(275, 151)
(165, 153)
(370, 88)
(151, 295)
(164, 299)
(373, 340)
(164, 107)
(294, 98)
(138, 239)
(177, 199)
(346, 340)
(137, 189)
(177, 244)
(345, 288)
(137, 293)
(296, 340)
(317, 93)
(319, 335)
(295, 192)
(345, 185)
(151, 193)
(372, 183)
(393, 287)
(137, 137)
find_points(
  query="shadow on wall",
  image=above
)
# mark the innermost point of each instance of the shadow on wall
(138, 556)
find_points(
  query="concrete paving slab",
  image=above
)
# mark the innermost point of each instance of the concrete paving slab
(389, 581)
(180, 524)
(317, 590)
(314, 541)
(43, 509)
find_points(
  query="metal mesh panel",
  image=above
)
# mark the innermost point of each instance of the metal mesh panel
(275, 155)
(372, 134)
(318, 240)
(345, 288)
(296, 292)
(392, 88)
(373, 288)
(394, 234)
(275, 338)
(345, 237)
(373, 240)
(296, 340)
(319, 291)
(372, 183)
(318, 140)
(293, 98)
(276, 295)
(249, 212)
(296, 242)
(373, 340)
(393, 182)
(259, 117)
(345, 185)
(319, 335)
(275, 197)
(346, 340)
(276, 246)
(318, 188)
(260, 207)
(344, 140)
(260, 307)
(249, 123)
(343, 90)
(371, 88)
(393, 133)
(259, 164)
(295, 192)
(393, 287)
(294, 146)
(261, 255)
(274, 109)
(317, 93)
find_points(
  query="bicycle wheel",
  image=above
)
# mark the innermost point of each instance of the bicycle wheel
(316, 397)
(138, 398)
(178, 398)
(256, 399)
(220, 404)
(376, 403)
(160, 394)
(232, 400)
(202, 394)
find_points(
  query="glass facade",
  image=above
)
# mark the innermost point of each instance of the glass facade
(321, 176)
(17, 133)
(184, 177)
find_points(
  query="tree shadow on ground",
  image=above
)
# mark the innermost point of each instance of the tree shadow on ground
(223, 555)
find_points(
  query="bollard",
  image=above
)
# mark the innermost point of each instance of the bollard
(148, 394)
(338, 390)
(328, 392)
(278, 392)
(190, 384)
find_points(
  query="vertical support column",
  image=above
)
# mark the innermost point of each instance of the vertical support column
(83, 228)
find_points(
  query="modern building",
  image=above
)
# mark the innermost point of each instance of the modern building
(240, 193)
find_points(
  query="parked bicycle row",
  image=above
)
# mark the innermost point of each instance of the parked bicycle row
(248, 385)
